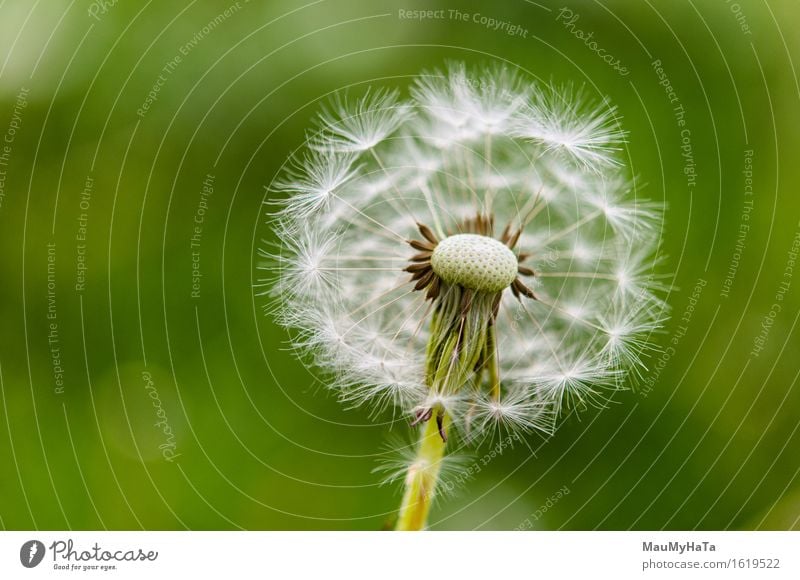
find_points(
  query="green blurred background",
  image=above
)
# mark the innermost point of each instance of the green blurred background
(254, 440)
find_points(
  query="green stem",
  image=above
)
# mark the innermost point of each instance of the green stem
(491, 363)
(423, 474)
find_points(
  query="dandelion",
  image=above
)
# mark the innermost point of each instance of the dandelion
(472, 259)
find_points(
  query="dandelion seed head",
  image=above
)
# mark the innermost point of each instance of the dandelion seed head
(476, 262)
(476, 250)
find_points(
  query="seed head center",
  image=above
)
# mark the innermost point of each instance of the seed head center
(476, 262)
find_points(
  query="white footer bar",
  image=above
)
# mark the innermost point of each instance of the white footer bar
(407, 556)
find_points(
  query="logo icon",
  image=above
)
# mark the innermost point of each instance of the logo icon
(31, 553)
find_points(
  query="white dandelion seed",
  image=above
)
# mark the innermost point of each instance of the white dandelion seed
(473, 256)
(515, 411)
(314, 179)
(562, 121)
(354, 127)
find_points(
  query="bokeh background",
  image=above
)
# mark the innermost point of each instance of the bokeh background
(132, 398)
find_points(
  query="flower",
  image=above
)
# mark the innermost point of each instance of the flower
(473, 255)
